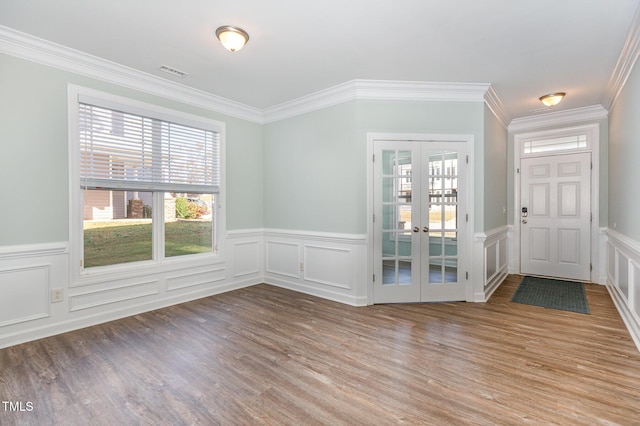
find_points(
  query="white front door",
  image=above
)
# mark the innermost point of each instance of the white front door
(419, 219)
(555, 216)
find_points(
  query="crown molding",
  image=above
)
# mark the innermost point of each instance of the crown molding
(559, 118)
(377, 90)
(625, 64)
(495, 105)
(25, 46)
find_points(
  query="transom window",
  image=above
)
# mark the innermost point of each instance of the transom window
(562, 143)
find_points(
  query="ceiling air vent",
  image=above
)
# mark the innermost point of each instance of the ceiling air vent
(174, 72)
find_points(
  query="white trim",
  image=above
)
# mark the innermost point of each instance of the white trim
(593, 137)
(626, 62)
(628, 249)
(360, 239)
(558, 118)
(495, 105)
(31, 48)
(33, 250)
(378, 90)
(483, 242)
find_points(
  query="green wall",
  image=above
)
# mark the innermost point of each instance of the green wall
(316, 165)
(314, 172)
(624, 155)
(495, 166)
(33, 153)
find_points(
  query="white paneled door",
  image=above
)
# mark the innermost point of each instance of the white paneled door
(419, 221)
(555, 216)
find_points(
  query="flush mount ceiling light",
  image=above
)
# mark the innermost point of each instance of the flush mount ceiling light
(552, 99)
(232, 38)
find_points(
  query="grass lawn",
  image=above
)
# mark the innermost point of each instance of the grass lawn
(110, 243)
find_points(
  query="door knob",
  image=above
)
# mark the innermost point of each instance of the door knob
(416, 229)
(425, 229)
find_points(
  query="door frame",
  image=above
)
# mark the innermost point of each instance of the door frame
(593, 146)
(469, 141)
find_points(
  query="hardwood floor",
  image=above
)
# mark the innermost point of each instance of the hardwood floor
(265, 355)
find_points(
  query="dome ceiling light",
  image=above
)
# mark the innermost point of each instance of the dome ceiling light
(232, 38)
(552, 99)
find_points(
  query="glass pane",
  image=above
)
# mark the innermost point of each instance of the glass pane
(451, 245)
(451, 271)
(435, 271)
(436, 217)
(388, 192)
(388, 272)
(389, 244)
(388, 162)
(404, 213)
(188, 224)
(435, 244)
(555, 144)
(389, 217)
(404, 272)
(117, 227)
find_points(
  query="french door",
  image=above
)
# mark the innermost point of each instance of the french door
(419, 193)
(555, 215)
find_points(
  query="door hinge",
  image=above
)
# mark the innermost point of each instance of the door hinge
(467, 217)
(467, 159)
(374, 278)
(466, 275)
(591, 216)
(373, 158)
(591, 266)
(518, 171)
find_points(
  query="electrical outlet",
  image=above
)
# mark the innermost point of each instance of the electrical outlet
(56, 295)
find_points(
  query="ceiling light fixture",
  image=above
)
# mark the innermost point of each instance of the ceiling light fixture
(232, 38)
(552, 99)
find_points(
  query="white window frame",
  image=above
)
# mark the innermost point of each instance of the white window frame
(80, 276)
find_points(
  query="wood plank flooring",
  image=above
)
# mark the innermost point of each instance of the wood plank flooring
(265, 355)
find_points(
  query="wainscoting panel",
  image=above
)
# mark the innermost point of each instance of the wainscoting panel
(332, 266)
(246, 255)
(283, 258)
(111, 295)
(491, 262)
(623, 279)
(25, 294)
(328, 265)
(195, 279)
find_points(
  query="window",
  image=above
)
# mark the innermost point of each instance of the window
(562, 143)
(146, 183)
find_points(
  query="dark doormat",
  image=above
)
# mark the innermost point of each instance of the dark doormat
(553, 294)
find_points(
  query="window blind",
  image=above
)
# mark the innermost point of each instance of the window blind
(126, 151)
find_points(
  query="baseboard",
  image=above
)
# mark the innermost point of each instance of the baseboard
(314, 290)
(628, 317)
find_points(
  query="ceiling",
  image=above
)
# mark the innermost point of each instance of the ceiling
(523, 48)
